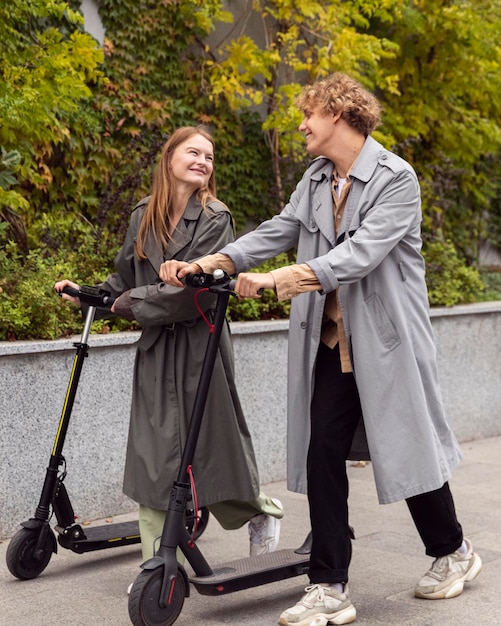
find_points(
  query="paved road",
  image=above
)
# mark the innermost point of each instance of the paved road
(90, 589)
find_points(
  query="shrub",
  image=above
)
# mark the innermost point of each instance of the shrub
(265, 308)
(29, 306)
(449, 280)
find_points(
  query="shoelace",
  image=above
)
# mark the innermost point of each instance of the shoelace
(441, 566)
(438, 568)
(258, 528)
(313, 593)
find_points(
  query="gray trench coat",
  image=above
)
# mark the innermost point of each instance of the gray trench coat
(376, 265)
(167, 369)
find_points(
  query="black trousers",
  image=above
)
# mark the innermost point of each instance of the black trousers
(335, 413)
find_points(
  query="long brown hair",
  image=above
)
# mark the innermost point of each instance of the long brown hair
(157, 214)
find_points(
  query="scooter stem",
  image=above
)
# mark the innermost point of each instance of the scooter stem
(223, 295)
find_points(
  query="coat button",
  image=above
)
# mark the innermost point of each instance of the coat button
(384, 157)
(304, 325)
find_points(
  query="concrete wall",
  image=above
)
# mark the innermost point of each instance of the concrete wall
(34, 376)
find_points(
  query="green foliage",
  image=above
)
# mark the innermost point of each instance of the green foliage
(491, 277)
(265, 308)
(8, 164)
(303, 41)
(29, 306)
(86, 129)
(82, 127)
(154, 66)
(48, 67)
(449, 281)
(444, 113)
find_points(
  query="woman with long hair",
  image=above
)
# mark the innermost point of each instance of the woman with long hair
(183, 219)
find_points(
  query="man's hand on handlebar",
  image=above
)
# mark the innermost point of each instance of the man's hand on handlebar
(59, 286)
(251, 284)
(172, 271)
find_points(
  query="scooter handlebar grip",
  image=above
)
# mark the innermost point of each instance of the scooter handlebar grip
(196, 280)
(70, 291)
(234, 282)
(90, 295)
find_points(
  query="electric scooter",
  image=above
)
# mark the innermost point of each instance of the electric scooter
(31, 548)
(158, 593)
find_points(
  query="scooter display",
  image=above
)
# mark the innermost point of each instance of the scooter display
(158, 593)
(31, 548)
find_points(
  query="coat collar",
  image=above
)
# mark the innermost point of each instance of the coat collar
(363, 167)
(182, 236)
(367, 160)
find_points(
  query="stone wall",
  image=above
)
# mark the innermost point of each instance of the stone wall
(34, 377)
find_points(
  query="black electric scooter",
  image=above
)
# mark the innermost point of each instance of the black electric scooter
(158, 593)
(31, 548)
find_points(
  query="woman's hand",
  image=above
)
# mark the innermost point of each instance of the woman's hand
(67, 283)
(172, 271)
(249, 284)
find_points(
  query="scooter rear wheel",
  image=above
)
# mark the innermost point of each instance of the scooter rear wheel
(21, 559)
(144, 607)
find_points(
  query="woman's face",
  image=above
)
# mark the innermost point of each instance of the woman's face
(192, 163)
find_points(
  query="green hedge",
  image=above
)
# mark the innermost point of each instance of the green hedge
(30, 308)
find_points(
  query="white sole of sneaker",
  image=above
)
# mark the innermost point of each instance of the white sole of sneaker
(346, 616)
(457, 588)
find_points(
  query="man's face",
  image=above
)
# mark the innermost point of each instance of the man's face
(318, 129)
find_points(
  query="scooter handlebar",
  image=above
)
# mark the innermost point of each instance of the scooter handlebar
(210, 280)
(92, 296)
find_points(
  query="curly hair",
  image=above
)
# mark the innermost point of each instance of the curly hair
(339, 93)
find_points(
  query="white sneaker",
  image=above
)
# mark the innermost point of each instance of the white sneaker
(321, 605)
(448, 574)
(264, 532)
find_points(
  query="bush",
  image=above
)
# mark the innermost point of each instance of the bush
(449, 280)
(29, 306)
(491, 278)
(265, 308)
(30, 309)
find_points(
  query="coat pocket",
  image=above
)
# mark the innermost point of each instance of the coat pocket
(384, 326)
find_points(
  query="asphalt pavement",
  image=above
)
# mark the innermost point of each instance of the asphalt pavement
(388, 559)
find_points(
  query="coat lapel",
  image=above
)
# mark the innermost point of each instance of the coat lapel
(322, 207)
(182, 236)
(361, 173)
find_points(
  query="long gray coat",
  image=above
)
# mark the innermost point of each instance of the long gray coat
(167, 370)
(376, 264)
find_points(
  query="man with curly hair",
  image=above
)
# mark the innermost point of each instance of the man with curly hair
(362, 358)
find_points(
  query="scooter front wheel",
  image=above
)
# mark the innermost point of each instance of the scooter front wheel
(23, 558)
(144, 607)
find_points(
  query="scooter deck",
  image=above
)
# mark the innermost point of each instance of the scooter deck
(101, 537)
(251, 572)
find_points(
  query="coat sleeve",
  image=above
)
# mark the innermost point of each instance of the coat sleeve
(158, 304)
(272, 237)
